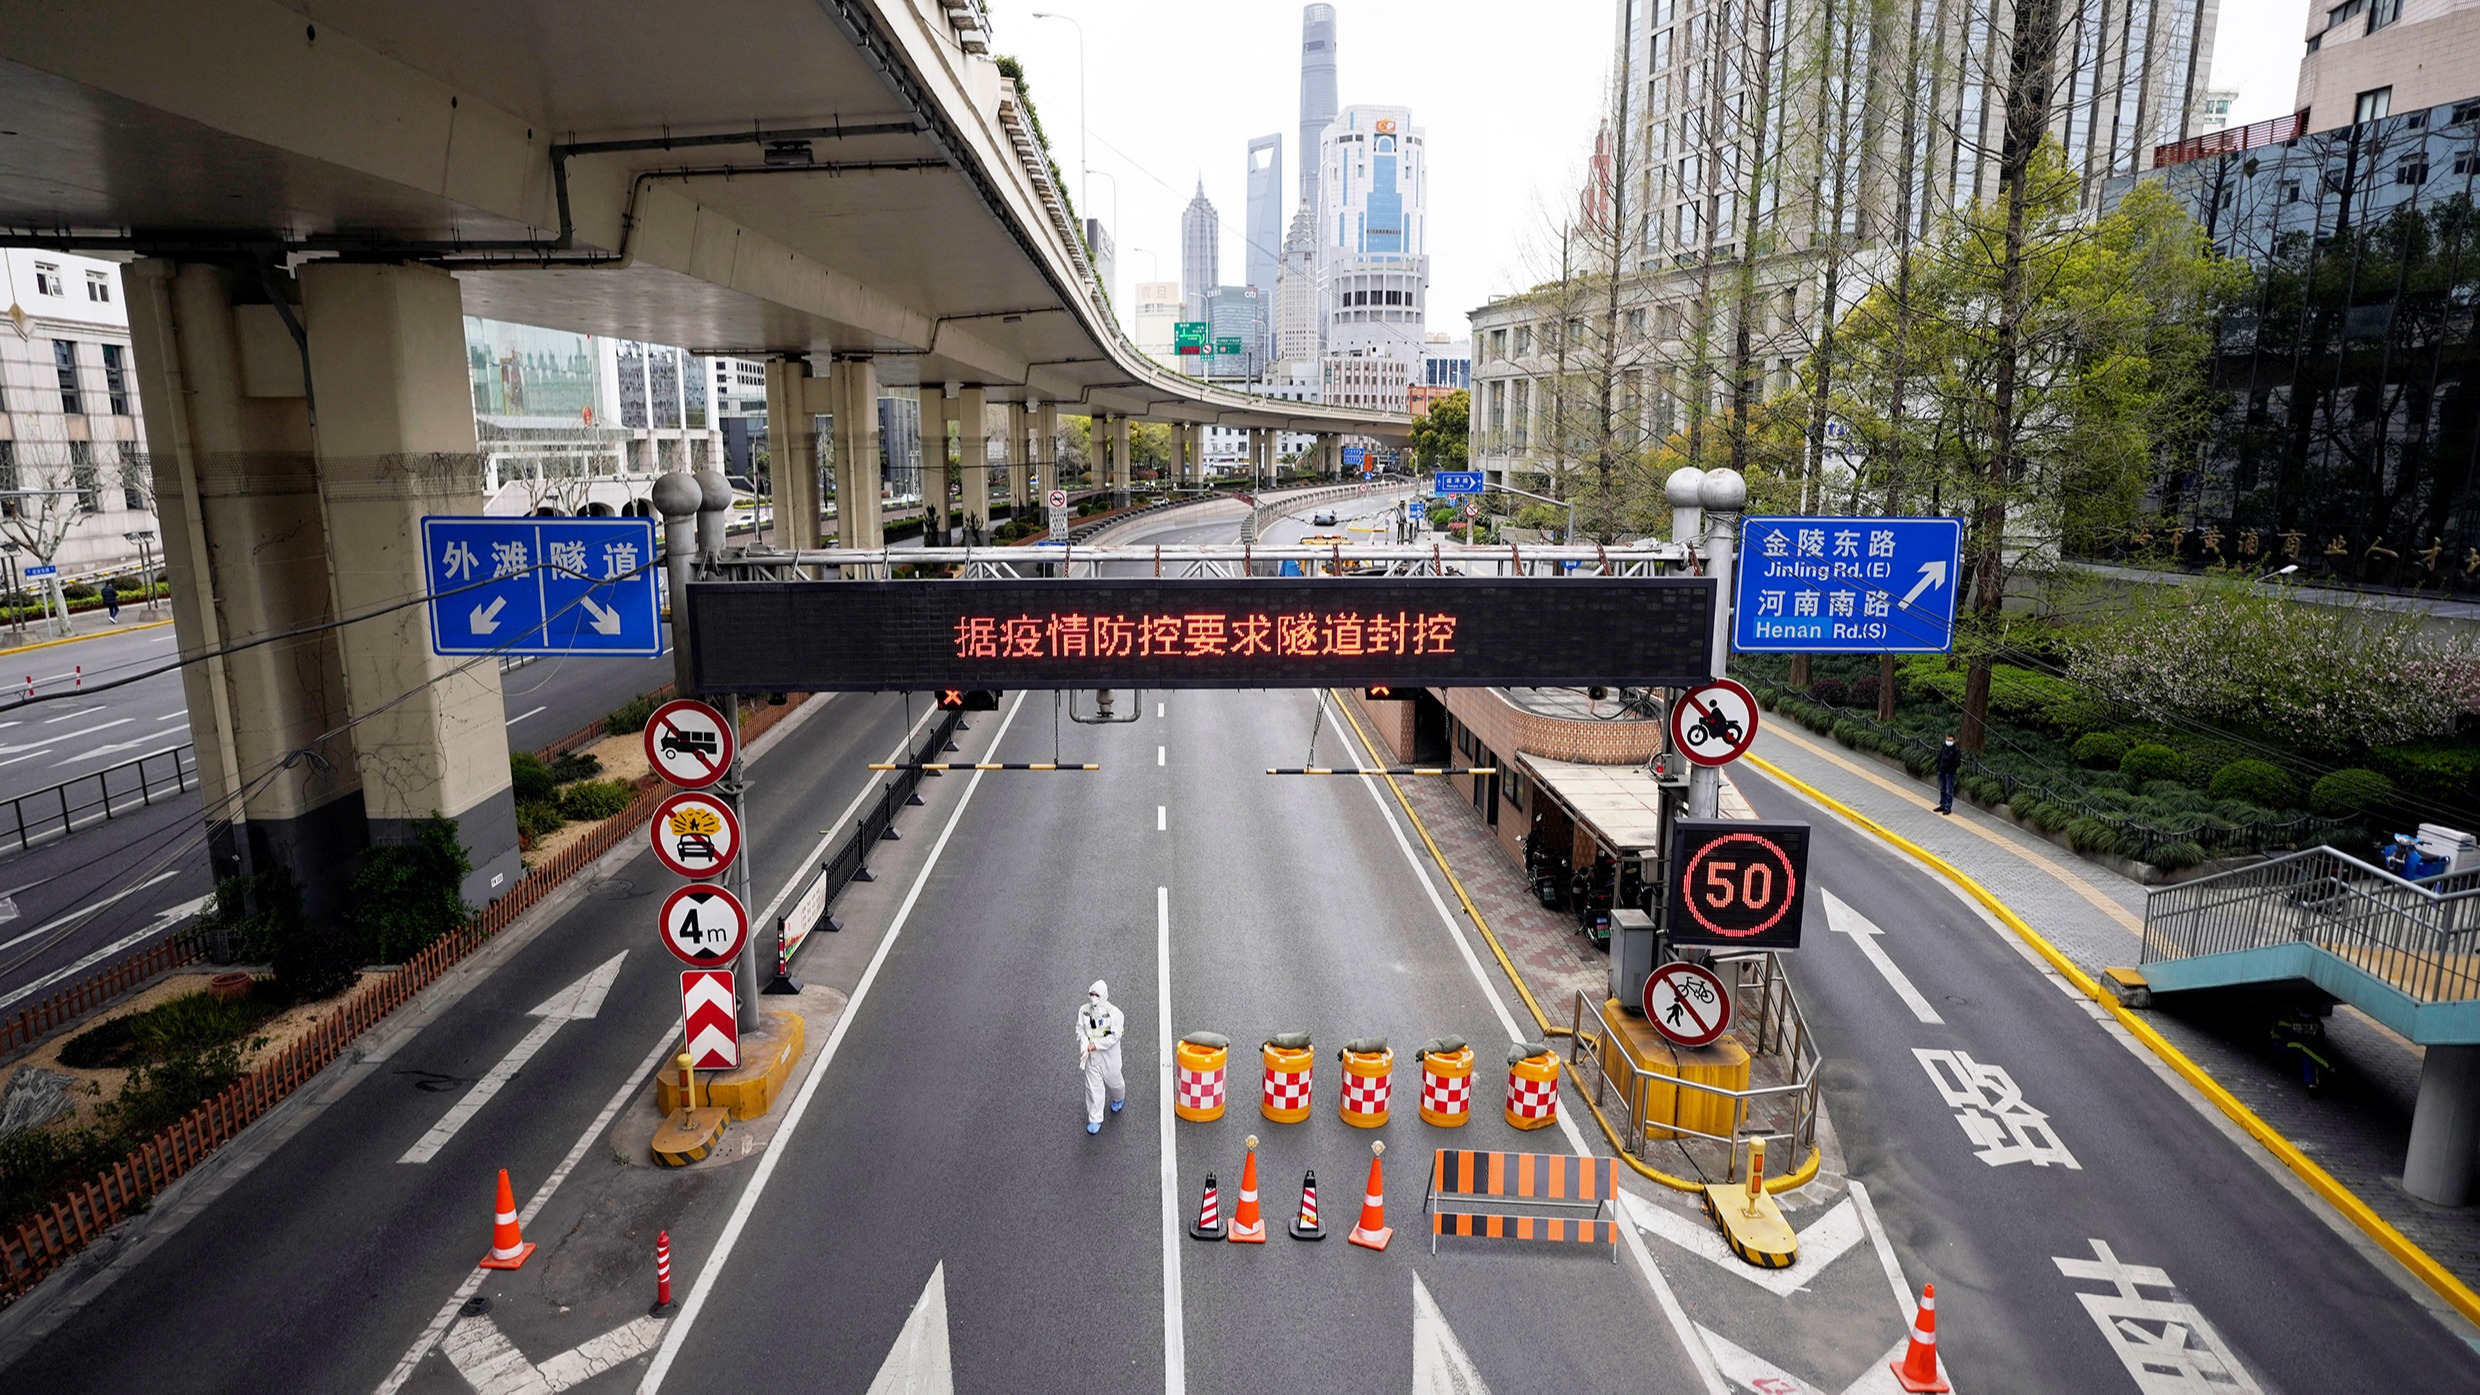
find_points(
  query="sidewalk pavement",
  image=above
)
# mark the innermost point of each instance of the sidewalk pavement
(84, 624)
(2361, 1128)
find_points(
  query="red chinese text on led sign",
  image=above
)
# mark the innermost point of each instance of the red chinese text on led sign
(1206, 635)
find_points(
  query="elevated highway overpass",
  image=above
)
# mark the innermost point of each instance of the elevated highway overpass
(314, 194)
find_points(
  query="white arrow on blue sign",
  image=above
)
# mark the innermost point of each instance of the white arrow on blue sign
(1448, 483)
(1847, 585)
(543, 585)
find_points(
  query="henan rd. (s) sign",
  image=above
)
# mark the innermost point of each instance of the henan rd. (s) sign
(1269, 632)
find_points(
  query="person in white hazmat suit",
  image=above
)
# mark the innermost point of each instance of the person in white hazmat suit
(1099, 1026)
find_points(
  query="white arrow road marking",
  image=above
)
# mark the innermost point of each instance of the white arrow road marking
(117, 747)
(917, 1364)
(1752, 1372)
(485, 619)
(1823, 1242)
(1843, 920)
(491, 1364)
(164, 920)
(1931, 574)
(88, 909)
(578, 1001)
(605, 622)
(36, 748)
(1439, 1365)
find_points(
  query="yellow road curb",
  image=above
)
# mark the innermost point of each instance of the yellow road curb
(1798, 1177)
(80, 639)
(2343, 1199)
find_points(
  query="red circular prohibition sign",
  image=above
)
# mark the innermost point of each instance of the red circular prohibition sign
(1739, 889)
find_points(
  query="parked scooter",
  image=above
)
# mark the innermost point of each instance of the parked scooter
(2298, 1038)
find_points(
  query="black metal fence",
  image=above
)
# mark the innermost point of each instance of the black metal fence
(850, 862)
(50, 813)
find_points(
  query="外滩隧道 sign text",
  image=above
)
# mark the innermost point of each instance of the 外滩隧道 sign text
(1274, 632)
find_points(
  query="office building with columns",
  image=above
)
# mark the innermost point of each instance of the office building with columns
(71, 417)
(1372, 243)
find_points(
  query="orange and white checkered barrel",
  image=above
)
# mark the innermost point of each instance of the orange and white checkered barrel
(1200, 1061)
(1368, 1079)
(1288, 1071)
(1446, 1083)
(1532, 1086)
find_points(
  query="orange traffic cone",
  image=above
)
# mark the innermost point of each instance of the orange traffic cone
(508, 1244)
(1246, 1226)
(1918, 1372)
(1373, 1231)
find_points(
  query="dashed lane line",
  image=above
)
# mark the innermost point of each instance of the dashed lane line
(164, 920)
(80, 712)
(712, 1270)
(523, 715)
(82, 912)
(1162, 816)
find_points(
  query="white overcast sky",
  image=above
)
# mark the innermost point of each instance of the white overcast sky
(1508, 95)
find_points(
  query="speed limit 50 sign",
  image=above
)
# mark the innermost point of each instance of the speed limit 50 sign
(1735, 884)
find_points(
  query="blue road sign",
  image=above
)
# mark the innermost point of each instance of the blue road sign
(1847, 585)
(44, 570)
(1353, 456)
(547, 585)
(1448, 483)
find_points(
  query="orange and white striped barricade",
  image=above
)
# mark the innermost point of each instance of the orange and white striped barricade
(1289, 1065)
(1521, 1186)
(1368, 1079)
(1198, 1092)
(1446, 1082)
(1532, 1085)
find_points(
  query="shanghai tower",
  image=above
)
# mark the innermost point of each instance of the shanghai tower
(1317, 91)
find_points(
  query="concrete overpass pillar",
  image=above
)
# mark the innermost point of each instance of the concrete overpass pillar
(245, 546)
(1020, 461)
(973, 462)
(1123, 466)
(393, 428)
(936, 413)
(852, 399)
(792, 454)
(1046, 469)
(2445, 1127)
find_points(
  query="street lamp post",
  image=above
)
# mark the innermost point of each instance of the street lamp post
(146, 562)
(1084, 116)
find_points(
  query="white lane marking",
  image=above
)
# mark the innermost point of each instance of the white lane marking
(1158, 709)
(523, 715)
(86, 910)
(180, 716)
(808, 866)
(1162, 815)
(1682, 1330)
(575, 1003)
(1991, 1108)
(5, 725)
(756, 1186)
(918, 1364)
(1175, 1321)
(1841, 919)
(1823, 1241)
(2165, 1343)
(117, 747)
(1158, 755)
(35, 748)
(65, 716)
(492, 1365)
(164, 920)
(1885, 1249)
(1439, 1365)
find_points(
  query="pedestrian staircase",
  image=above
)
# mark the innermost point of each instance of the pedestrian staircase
(2405, 952)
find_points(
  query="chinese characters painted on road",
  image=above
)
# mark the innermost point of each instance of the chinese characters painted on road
(2165, 1344)
(1990, 1106)
(1205, 635)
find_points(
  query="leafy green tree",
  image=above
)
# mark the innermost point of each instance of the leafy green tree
(1442, 436)
(406, 895)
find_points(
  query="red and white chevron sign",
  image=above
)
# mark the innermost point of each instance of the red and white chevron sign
(706, 1013)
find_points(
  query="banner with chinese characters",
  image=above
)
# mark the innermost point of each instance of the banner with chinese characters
(1274, 632)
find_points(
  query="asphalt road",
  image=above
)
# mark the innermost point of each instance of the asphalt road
(2142, 1173)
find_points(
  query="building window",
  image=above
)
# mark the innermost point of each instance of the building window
(64, 362)
(1636, 324)
(98, 288)
(1498, 344)
(1523, 411)
(1524, 340)
(1511, 788)
(134, 470)
(2465, 113)
(116, 379)
(2383, 13)
(2464, 162)
(47, 279)
(2412, 170)
(84, 477)
(2343, 13)
(2373, 104)
(2290, 191)
(1789, 315)
(8, 480)
(1666, 321)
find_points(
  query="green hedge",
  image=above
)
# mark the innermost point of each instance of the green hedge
(2348, 792)
(2257, 782)
(2101, 750)
(2021, 695)
(2151, 761)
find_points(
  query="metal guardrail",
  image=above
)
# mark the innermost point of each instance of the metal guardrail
(1785, 1113)
(2417, 936)
(850, 862)
(66, 807)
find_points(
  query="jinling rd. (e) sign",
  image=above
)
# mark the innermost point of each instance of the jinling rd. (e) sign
(1274, 632)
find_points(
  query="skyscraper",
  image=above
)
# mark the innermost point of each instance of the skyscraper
(1317, 91)
(1264, 247)
(1201, 234)
(1373, 235)
(1297, 341)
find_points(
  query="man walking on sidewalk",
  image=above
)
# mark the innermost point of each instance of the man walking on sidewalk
(111, 602)
(1950, 765)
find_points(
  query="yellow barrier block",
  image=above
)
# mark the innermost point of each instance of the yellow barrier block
(1753, 1226)
(751, 1088)
(1665, 1108)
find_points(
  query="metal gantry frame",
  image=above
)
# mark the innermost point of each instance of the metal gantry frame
(1219, 560)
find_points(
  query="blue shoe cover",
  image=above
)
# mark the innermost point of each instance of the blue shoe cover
(1093, 1128)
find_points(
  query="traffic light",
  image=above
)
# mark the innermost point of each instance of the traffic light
(968, 700)
(1389, 694)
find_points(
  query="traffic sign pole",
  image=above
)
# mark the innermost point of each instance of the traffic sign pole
(735, 791)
